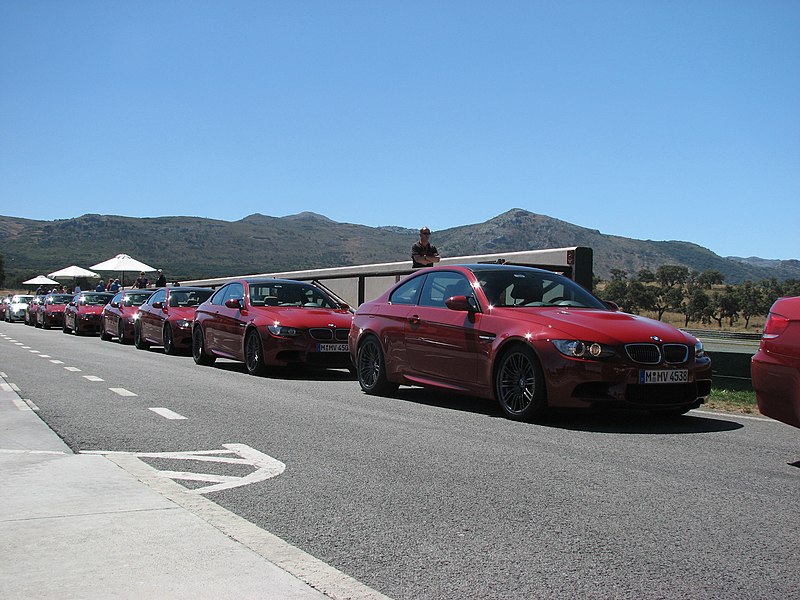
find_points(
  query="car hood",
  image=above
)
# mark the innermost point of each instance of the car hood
(306, 317)
(602, 326)
(90, 310)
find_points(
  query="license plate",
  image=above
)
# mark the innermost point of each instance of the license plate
(660, 376)
(332, 348)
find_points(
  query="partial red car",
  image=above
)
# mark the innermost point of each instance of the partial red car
(83, 313)
(528, 338)
(272, 322)
(17, 307)
(51, 313)
(775, 367)
(165, 319)
(120, 314)
(33, 308)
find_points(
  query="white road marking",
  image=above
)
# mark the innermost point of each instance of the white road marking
(19, 344)
(73, 369)
(35, 352)
(92, 378)
(45, 356)
(265, 466)
(14, 387)
(167, 413)
(57, 362)
(5, 387)
(26, 348)
(120, 391)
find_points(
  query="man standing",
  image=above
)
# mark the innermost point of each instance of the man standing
(162, 279)
(423, 254)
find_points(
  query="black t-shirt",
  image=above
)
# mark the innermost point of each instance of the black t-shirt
(161, 281)
(419, 249)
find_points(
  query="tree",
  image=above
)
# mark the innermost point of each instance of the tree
(709, 278)
(695, 306)
(668, 289)
(750, 300)
(724, 305)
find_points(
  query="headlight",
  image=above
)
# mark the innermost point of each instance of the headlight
(699, 351)
(282, 331)
(183, 323)
(580, 349)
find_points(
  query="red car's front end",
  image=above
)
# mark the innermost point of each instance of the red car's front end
(51, 313)
(775, 367)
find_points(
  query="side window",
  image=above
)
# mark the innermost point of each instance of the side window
(159, 296)
(441, 286)
(408, 292)
(219, 296)
(234, 290)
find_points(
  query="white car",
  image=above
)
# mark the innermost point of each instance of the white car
(15, 311)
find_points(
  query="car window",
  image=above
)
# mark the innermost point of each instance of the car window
(529, 287)
(95, 299)
(408, 292)
(440, 286)
(159, 296)
(135, 298)
(233, 291)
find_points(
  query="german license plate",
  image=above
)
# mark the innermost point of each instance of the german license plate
(332, 348)
(661, 376)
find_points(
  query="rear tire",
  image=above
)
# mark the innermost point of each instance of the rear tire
(199, 348)
(371, 368)
(123, 339)
(138, 340)
(519, 384)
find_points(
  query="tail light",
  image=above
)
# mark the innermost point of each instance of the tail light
(776, 324)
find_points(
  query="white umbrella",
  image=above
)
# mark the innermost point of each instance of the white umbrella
(122, 263)
(40, 280)
(73, 272)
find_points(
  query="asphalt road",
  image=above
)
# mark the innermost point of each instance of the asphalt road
(426, 495)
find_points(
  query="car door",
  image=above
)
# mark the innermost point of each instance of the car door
(441, 343)
(230, 322)
(151, 318)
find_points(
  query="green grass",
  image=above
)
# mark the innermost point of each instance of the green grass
(732, 401)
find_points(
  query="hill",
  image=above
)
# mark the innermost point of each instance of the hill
(193, 247)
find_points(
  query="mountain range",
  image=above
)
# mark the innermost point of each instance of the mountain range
(195, 247)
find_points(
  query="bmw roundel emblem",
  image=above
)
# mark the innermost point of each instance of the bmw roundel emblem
(655, 338)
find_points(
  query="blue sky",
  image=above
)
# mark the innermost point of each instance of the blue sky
(664, 120)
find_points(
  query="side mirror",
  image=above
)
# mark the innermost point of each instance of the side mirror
(344, 306)
(158, 305)
(611, 305)
(461, 303)
(236, 303)
(114, 304)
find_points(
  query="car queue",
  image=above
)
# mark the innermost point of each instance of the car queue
(528, 338)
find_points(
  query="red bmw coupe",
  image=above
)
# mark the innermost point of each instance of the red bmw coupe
(776, 366)
(119, 315)
(529, 338)
(83, 313)
(272, 322)
(166, 318)
(51, 313)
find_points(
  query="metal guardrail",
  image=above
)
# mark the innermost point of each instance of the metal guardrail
(713, 334)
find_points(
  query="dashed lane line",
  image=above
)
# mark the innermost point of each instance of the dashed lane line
(119, 391)
(92, 378)
(167, 413)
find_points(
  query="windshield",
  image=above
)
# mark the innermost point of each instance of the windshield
(135, 298)
(531, 287)
(281, 293)
(20, 298)
(188, 297)
(58, 299)
(95, 299)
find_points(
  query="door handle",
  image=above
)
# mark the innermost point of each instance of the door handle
(414, 320)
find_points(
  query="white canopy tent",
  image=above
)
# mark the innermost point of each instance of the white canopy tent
(40, 280)
(123, 263)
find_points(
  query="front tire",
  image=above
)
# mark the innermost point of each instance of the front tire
(103, 333)
(123, 339)
(371, 368)
(519, 384)
(199, 348)
(169, 341)
(254, 354)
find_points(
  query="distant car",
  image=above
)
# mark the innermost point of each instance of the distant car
(17, 307)
(165, 319)
(3, 305)
(119, 315)
(51, 313)
(272, 322)
(528, 338)
(83, 313)
(33, 307)
(775, 367)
